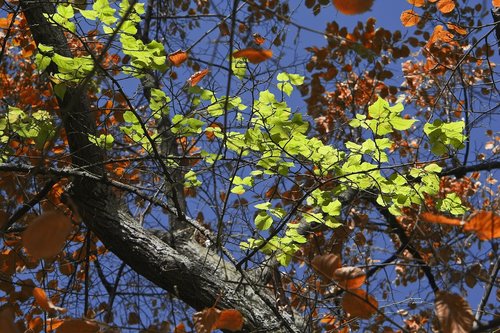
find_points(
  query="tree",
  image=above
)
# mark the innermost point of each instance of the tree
(134, 200)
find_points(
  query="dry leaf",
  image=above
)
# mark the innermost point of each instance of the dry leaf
(211, 318)
(255, 56)
(78, 325)
(196, 77)
(46, 235)
(230, 319)
(204, 321)
(258, 39)
(326, 265)
(44, 302)
(181, 328)
(486, 225)
(357, 303)
(441, 219)
(7, 317)
(53, 323)
(352, 7)
(454, 313)
(409, 18)
(349, 277)
(445, 6)
(178, 57)
(458, 29)
(495, 3)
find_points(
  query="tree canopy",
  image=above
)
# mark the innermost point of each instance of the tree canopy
(178, 166)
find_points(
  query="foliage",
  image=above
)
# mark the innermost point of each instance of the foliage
(364, 211)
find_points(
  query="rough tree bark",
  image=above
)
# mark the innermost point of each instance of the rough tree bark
(195, 274)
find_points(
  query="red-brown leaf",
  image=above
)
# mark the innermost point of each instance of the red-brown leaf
(485, 224)
(440, 219)
(46, 235)
(349, 277)
(352, 7)
(326, 265)
(255, 56)
(178, 57)
(454, 313)
(230, 319)
(196, 77)
(357, 303)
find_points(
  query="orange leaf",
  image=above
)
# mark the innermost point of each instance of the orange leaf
(44, 302)
(349, 277)
(196, 77)
(204, 321)
(46, 234)
(441, 219)
(178, 57)
(453, 312)
(258, 39)
(326, 265)
(409, 18)
(210, 134)
(255, 56)
(7, 317)
(53, 323)
(229, 320)
(78, 325)
(495, 3)
(460, 30)
(445, 6)
(352, 7)
(417, 3)
(486, 225)
(180, 328)
(35, 324)
(357, 303)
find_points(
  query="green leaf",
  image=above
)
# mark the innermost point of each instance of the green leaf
(263, 221)
(60, 90)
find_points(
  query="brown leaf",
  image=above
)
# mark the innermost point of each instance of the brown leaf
(196, 77)
(255, 56)
(7, 317)
(326, 265)
(409, 18)
(53, 323)
(417, 3)
(485, 224)
(78, 325)
(357, 303)
(445, 6)
(178, 57)
(352, 7)
(44, 302)
(453, 312)
(349, 277)
(204, 321)
(230, 319)
(258, 39)
(441, 219)
(181, 328)
(46, 235)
